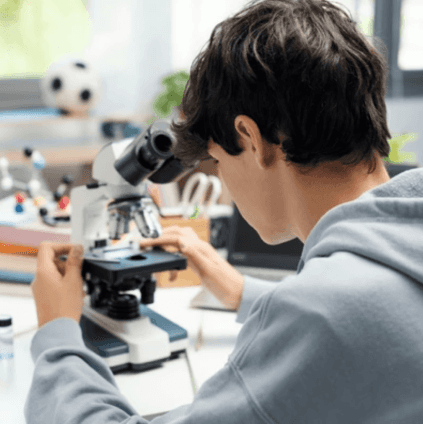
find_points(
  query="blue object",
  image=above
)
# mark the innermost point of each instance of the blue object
(29, 114)
(175, 331)
(107, 129)
(100, 340)
(16, 277)
(110, 129)
(131, 131)
(39, 164)
(19, 208)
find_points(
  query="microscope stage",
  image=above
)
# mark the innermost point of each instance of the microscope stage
(140, 264)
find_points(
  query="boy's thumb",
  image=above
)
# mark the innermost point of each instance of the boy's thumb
(75, 259)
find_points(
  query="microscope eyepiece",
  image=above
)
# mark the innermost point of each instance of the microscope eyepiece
(163, 143)
(146, 153)
(153, 148)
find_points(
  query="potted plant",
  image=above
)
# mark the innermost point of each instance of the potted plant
(170, 99)
(395, 160)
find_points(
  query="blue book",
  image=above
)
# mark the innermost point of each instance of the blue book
(15, 283)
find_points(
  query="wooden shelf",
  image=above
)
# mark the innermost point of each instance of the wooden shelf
(79, 155)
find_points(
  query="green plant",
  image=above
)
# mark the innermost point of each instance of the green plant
(397, 143)
(171, 97)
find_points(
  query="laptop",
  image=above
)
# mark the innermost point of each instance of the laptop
(250, 255)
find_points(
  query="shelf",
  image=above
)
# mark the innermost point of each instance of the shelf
(47, 131)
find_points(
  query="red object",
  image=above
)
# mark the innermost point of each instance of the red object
(64, 202)
(20, 197)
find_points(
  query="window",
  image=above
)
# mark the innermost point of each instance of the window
(33, 34)
(410, 56)
(396, 18)
(193, 22)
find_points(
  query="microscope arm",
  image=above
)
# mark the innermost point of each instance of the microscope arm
(89, 216)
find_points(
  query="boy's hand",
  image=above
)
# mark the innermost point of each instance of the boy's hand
(58, 286)
(216, 274)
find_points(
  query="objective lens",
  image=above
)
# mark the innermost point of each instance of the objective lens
(116, 226)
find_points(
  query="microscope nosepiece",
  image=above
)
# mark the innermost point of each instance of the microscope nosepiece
(116, 226)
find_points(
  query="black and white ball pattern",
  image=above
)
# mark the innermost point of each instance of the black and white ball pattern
(72, 86)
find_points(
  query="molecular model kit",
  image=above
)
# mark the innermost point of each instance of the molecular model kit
(23, 202)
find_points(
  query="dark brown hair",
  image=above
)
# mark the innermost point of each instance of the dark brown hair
(302, 71)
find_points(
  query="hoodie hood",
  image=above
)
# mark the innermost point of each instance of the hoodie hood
(384, 224)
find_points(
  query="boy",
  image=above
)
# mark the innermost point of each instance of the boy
(288, 97)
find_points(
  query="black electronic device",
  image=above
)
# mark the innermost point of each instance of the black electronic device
(246, 248)
(396, 168)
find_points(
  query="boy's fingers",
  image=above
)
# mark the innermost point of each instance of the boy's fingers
(60, 266)
(74, 260)
(176, 241)
(51, 250)
(169, 235)
(159, 241)
(48, 252)
(173, 275)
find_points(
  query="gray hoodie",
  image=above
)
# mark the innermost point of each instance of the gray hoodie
(340, 342)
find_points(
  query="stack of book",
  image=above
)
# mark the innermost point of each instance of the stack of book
(18, 254)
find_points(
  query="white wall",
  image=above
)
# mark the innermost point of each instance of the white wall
(131, 48)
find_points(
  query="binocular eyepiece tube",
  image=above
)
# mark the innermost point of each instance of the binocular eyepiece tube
(148, 153)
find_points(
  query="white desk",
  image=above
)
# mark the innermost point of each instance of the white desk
(150, 392)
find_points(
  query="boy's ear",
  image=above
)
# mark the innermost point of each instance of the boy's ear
(250, 138)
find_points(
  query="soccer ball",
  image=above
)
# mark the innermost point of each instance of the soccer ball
(73, 86)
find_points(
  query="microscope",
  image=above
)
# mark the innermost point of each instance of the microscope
(116, 323)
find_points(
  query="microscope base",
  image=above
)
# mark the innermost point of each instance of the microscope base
(137, 344)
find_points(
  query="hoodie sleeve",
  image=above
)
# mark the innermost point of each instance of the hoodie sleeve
(253, 289)
(72, 384)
